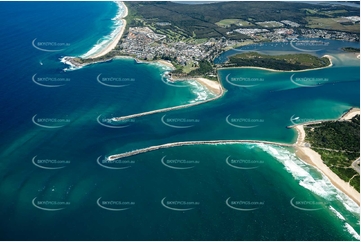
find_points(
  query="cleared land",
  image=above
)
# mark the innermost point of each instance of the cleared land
(208, 20)
(270, 24)
(226, 23)
(332, 24)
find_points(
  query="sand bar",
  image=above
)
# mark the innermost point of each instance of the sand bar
(350, 114)
(301, 135)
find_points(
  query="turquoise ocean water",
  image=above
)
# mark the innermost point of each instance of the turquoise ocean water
(55, 185)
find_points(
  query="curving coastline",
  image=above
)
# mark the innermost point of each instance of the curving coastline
(304, 153)
(113, 43)
(311, 157)
(74, 65)
(184, 143)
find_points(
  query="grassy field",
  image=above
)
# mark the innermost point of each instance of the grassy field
(226, 23)
(331, 23)
(188, 68)
(271, 24)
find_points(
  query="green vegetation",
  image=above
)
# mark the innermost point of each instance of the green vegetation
(338, 143)
(226, 23)
(204, 69)
(351, 49)
(278, 62)
(325, 11)
(332, 24)
(107, 57)
(355, 182)
(336, 135)
(197, 21)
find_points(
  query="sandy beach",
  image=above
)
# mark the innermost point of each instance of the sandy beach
(301, 135)
(350, 114)
(313, 158)
(166, 63)
(214, 86)
(329, 58)
(116, 39)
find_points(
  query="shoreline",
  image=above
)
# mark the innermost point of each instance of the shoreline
(349, 114)
(164, 62)
(214, 87)
(116, 39)
(269, 69)
(312, 158)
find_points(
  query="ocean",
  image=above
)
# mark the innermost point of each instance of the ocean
(56, 185)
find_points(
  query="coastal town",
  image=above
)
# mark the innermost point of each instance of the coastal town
(180, 121)
(144, 44)
(147, 40)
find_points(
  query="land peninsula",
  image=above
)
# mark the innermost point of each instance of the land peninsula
(186, 40)
(332, 146)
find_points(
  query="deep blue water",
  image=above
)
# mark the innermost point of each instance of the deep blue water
(270, 180)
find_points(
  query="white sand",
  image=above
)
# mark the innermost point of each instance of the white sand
(330, 59)
(301, 135)
(166, 63)
(350, 114)
(115, 40)
(213, 86)
(312, 157)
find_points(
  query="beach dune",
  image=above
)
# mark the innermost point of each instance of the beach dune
(313, 158)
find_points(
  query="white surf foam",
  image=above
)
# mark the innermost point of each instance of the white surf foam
(71, 66)
(352, 231)
(200, 91)
(338, 214)
(301, 172)
(104, 41)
